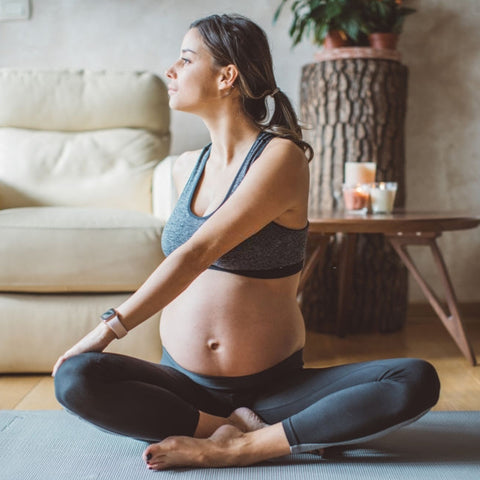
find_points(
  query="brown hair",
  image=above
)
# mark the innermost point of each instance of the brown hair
(234, 39)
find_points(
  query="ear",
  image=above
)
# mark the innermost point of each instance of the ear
(227, 77)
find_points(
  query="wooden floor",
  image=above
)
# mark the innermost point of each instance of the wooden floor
(422, 337)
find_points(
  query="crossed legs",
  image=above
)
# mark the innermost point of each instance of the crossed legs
(306, 409)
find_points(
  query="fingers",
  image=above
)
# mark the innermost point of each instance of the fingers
(95, 341)
(59, 362)
(57, 365)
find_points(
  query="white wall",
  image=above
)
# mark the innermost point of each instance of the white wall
(136, 34)
(440, 45)
(443, 168)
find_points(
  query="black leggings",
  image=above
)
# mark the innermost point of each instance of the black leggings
(317, 407)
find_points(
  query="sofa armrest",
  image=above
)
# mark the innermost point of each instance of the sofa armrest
(164, 195)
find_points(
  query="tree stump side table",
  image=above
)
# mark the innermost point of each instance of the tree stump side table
(354, 110)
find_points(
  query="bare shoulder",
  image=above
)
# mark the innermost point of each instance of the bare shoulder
(183, 166)
(186, 161)
(286, 158)
(282, 176)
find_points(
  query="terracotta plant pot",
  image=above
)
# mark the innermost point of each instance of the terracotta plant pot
(383, 41)
(335, 39)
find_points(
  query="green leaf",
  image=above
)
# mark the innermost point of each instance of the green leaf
(314, 18)
(278, 10)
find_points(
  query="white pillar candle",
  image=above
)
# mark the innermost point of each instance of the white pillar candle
(359, 172)
(382, 196)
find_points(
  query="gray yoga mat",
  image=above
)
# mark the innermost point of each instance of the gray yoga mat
(54, 445)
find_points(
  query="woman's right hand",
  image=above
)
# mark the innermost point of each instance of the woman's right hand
(95, 341)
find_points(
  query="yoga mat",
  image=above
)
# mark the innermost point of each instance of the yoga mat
(55, 445)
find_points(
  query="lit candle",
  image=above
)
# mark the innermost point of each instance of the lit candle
(382, 196)
(359, 172)
(356, 198)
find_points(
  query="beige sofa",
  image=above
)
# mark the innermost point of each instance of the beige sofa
(85, 188)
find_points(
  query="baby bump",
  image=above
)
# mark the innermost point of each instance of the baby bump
(229, 326)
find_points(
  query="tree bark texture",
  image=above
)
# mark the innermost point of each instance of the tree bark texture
(354, 110)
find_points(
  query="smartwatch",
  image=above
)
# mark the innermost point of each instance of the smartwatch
(110, 317)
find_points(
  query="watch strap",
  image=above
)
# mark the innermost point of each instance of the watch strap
(112, 320)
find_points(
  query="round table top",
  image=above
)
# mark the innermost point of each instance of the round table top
(398, 221)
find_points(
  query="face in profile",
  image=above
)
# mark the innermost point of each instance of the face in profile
(193, 78)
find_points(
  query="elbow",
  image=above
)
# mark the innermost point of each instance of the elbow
(196, 257)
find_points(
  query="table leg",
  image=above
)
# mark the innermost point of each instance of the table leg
(451, 319)
(345, 267)
(315, 260)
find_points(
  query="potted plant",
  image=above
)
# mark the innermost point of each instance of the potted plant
(331, 23)
(383, 22)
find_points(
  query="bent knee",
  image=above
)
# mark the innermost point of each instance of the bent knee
(73, 378)
(423, 379)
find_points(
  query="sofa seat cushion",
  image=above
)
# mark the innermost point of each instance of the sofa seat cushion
(72, 249)
(37, 328)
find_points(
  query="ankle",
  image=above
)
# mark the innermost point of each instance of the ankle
(230, 446)
(266, 443)
(239, 451)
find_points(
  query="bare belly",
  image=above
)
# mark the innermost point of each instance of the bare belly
(229, 325)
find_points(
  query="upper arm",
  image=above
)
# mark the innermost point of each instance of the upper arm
(276, 183)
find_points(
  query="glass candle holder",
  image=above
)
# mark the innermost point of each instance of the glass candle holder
(382, 196)
(355, 198)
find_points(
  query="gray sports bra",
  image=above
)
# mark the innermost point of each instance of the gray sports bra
(273, 252)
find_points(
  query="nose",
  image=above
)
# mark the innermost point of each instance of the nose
(170, 72)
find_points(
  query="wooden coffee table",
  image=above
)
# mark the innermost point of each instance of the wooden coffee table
(402, 229)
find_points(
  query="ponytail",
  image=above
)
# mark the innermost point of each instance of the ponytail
(284, 122)
(231, 39)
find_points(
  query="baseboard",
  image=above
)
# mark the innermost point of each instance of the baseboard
(468, 310)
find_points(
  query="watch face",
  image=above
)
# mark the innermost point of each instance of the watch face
(108, 314)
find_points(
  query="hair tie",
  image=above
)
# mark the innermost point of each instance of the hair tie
(274, 92)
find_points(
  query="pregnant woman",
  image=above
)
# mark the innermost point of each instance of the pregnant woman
(231, 388)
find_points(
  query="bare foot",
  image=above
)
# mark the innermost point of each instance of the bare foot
(246, 420)
(228, 446)
(219, 450)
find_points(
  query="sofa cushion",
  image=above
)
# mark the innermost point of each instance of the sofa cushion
(37, 329)
(164, 191)
(67, 249)
(81, 100)
(105, 168)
